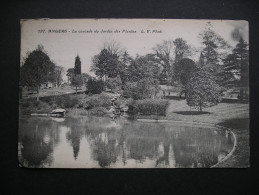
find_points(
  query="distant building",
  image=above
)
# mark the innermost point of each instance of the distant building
(48, 85)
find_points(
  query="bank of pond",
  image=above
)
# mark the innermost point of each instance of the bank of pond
(103, 104)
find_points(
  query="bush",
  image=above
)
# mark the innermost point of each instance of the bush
(95, 86)
(150, 107)
(143, 89)
(33, 106)
(98, 100)
(98, 111)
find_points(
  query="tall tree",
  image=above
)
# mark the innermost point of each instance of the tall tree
(70, 74)
(58, 75)
(213, 43)
(183, 70)
(105, 65)
(182, 50)
(201, 62)
(237, 65)
(36, 68)
(143, 67)
(77, 80)
(163, 52)
(77, 68)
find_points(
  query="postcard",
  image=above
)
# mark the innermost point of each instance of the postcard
(134, 93)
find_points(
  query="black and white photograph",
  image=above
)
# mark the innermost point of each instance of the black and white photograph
(134, 93)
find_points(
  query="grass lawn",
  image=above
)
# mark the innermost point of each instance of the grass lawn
(53, 91)
(231, 115)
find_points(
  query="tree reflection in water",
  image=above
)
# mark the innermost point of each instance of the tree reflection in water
(37, 139)
(121, 143)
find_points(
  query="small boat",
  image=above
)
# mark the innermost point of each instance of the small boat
(58, 111)
(55, 113)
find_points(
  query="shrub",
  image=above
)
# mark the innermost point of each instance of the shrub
(98, 111)
(95, 86)
(151, 106)
(144, 88)
(33, 106)
(98, 100)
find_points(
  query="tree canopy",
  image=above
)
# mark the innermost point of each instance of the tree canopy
(77, 68)
(183, 70)
(37, 68)
(202, 91)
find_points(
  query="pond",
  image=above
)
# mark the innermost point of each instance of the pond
(98, 142)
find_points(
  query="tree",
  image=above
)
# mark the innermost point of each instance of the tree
(143, 67)
(110, 62)
(58, 75)
(36, 68)
(163, 53)
(229, 72)
(95, 86)
(202, 90)
(77, 68)
(241, 51)
(201, 62)
(105, 64)
(77, 81)
(183, 70)
(142, 89)
(182, 50)
(236, 68)
(85, 77)
(125, 61)
(213, 44)
(115, 84)
(70, 74)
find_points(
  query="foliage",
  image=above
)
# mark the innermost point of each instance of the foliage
(144, 88)
(213, 44)
(70, 74)
(182, 50)
(77, 68)
(143, 67)
(63, 101)
(77, 81)
(98, 111)
(85, 77)
(202, 90)
(98, 100)
(183, 70)
(151, 106)
(235, 72)
(56, 75)
(32, 106)
(110, 62)
(242, 57)
(163, 53)
(115, 84)
(36, 69)
(95, 86)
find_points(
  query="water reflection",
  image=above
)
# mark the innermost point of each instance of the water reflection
(101, 142)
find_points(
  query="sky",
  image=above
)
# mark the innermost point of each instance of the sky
(80, 36)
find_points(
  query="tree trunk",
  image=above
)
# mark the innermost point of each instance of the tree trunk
(200, 108)
(38, 91)
(241, 95)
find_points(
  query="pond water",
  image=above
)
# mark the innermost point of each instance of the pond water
(92, 142)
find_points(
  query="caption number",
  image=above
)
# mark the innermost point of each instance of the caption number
(41, 31)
